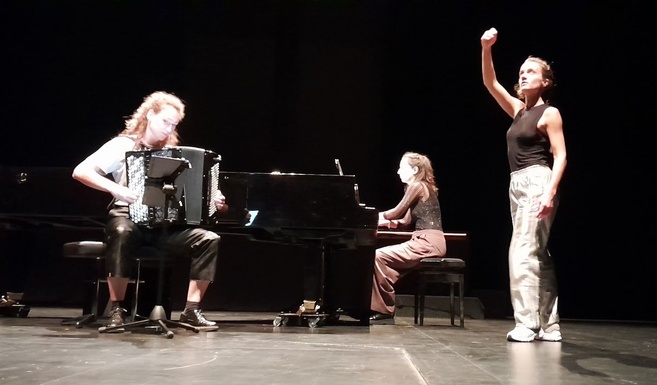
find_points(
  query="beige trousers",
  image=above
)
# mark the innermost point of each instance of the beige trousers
(394, 261)
(532, 277)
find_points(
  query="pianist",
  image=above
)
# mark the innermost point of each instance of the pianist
(418, 210)
(153, 125)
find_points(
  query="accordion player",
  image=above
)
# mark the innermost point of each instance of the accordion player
(192, 172)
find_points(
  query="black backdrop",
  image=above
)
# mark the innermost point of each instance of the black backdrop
(292, 85)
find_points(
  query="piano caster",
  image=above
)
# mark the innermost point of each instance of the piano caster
(313, 320)
(9, 306)
(280, 321)
(15, 310)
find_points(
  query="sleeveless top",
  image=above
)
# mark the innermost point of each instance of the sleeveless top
(526, 145)
(426, 215)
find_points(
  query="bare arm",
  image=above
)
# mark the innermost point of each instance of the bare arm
(509, 104)
(90, 171)
(552, 124)
(90, 175)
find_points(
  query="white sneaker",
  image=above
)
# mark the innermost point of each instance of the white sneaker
(521, 334)
(551, 335)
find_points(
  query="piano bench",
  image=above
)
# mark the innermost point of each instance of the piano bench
(96, 250)
(440, 270)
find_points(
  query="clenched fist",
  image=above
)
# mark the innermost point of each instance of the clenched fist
(489, 38)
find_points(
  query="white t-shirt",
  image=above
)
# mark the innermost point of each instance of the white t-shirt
(110, 157)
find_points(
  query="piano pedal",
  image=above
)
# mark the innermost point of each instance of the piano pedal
(308, 307)
(308, 311)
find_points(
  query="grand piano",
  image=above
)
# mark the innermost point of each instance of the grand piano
(294, 243)
(331, 233)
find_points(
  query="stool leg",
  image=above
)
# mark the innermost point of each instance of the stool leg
(451, 302)
(95, 299)
(416, 304)
(462, 299)
(423, 289)
(84, 319)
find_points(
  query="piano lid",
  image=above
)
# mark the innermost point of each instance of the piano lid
(287, 200)
(50, 195)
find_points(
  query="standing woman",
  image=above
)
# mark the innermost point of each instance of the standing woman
(537, 158)
(418, 210)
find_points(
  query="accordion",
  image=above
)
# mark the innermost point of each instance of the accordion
(187, 176)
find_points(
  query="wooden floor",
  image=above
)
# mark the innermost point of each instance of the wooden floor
(249, 349)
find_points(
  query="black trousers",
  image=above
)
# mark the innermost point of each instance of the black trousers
(124, 239)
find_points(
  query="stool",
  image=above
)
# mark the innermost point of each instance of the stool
(96, 250)
(440, 270)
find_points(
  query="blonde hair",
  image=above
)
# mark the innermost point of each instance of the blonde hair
(135, 125)
(546, 72)
(425, 169)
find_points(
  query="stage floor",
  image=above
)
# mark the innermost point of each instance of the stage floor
(249, 349)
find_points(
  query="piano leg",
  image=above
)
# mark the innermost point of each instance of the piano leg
(311, 309)
(313, 278)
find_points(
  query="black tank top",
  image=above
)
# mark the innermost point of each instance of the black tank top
(526, 145)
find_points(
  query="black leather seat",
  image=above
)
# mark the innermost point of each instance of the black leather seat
(440, 270)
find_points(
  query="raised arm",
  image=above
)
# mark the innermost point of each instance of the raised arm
(509, 104)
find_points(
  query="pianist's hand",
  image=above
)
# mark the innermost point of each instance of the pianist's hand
(220, 202)
(388, 223)
(122, 193)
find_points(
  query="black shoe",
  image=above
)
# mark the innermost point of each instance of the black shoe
(382, 318)
(116, 318)
(195, 318)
